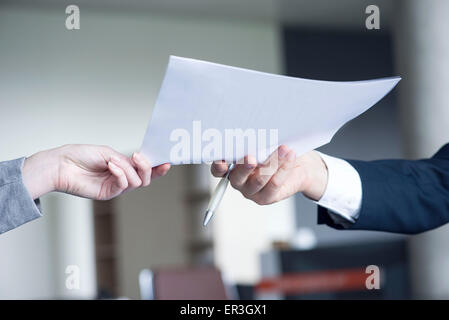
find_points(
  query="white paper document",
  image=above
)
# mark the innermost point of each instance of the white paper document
(207, 111)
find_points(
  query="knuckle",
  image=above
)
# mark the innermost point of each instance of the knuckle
(260, 201)
(214, 170)
(276, 183)
(145, 165)
(258, 180)
(271, 199)
(235, 183)
(121, 174)
(246, 195)
(136, 183)
(124, 184)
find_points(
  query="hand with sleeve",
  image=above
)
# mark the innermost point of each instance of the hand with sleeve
(280, 176)
(89, 171)
(393, 195)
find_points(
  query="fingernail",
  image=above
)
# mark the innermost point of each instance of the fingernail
(137, 157)
(115, 159)
(112, 165)
(251, 162)
(283, 151)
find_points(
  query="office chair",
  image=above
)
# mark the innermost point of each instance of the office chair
(203, 283)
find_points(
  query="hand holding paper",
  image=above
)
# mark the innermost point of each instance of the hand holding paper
(89, 171)
(207, 112)
(285, 175)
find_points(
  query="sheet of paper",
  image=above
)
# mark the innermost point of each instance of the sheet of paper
(207, 111)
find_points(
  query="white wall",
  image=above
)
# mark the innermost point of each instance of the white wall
(96, 85)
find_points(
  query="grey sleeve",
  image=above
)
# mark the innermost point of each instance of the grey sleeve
(16, 205)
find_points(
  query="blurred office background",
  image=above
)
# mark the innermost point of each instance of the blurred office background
(98, 85)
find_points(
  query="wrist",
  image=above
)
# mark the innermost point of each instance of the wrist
(40, 172)
(316, 176)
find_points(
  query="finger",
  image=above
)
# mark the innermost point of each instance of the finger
(160, 171)
(125, 164)
(239, 175)
(270, 192)
(263, 173)
(143, 168)
(121, 181)
(219, 168)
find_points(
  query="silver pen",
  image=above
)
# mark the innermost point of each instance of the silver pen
(217, 196)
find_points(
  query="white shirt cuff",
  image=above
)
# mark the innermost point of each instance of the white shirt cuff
(343, 194)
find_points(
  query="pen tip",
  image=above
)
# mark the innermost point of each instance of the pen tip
(207, 217)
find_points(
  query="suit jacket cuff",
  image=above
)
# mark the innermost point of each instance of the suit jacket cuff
(369, 217)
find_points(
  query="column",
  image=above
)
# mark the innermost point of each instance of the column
(72, 236)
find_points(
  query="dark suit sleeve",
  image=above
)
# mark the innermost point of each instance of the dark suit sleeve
(401, 196)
